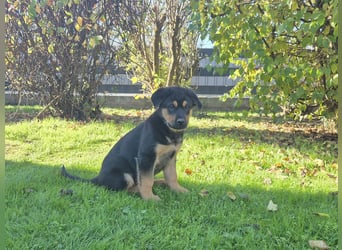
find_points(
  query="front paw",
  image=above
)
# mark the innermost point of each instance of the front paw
(179, 189)
(151, 197)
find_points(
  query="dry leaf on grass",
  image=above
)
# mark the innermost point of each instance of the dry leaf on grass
(319, 163)
(188, 171)
(320, 244)
(279, 165)
(332, 176)
(267, 181)
(272, 207)
(231, 196)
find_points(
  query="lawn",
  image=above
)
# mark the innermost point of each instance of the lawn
(233, 165)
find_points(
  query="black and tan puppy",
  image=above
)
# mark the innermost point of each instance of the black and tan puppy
(149, 148)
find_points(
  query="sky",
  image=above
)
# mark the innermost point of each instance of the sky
(206, 43)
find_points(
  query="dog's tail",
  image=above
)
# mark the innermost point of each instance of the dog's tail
(73, 177)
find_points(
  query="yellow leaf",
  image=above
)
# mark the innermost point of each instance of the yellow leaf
(80, 21)
(77, 27)
(279, 165)
(139, 96)
(231, 196)
(51, 48)
(38, 10)
(134, 79)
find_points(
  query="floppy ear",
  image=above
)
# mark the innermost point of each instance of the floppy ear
(159, 95)
(194, 98)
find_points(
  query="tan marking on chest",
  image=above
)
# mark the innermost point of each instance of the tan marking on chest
(162, 149)
(163, 152)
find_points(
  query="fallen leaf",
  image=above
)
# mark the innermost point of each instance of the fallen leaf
(272, 207)
(188, 171)
(267, 181)
(321, 214)
(231, 196)
(278, 165)
(204, 192)
(320, 244)
(334, 165)
(319, 163)
(332, 176)
(314, 172)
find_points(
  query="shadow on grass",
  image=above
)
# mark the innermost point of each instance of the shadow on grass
(41, 189)
(24, 177)
(21, 175)
(300, 140)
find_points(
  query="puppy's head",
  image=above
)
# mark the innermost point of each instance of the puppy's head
(175, 105)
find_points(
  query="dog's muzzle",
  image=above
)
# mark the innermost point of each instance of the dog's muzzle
(179, 126)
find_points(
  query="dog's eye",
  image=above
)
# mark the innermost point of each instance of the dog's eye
(171, 107)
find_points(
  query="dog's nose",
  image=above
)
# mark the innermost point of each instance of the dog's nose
(180, 121)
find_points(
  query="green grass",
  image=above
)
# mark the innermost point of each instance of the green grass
(253, 158)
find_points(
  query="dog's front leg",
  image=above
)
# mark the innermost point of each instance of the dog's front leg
(170, 175)
(145, 186)
(145, 179)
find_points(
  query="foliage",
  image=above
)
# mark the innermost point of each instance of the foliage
(286, 51)
(225, 161)
(159, 49)
(60, 50)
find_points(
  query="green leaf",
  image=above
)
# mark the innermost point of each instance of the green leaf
(300, 92)
(32, 9)
(321, 214)
(334, 67)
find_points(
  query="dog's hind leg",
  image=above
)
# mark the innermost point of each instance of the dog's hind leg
(115, 181)
(115, 174)
(131, 185)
